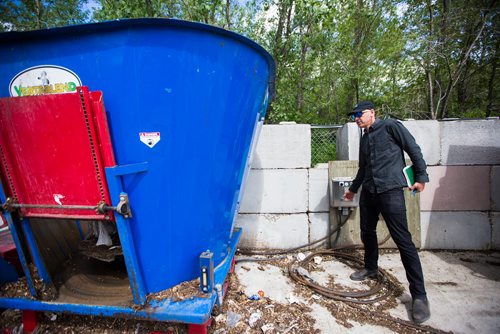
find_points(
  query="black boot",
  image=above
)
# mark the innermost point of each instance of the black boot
(420, 310)
(363, 274)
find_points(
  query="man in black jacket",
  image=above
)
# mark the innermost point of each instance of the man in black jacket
(381, 163)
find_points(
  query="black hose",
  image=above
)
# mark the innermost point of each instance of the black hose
(361, 297)
(381, 290)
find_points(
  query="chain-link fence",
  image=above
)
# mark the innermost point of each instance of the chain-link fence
(323, 143)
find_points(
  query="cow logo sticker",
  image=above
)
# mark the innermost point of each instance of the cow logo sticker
(44, 79)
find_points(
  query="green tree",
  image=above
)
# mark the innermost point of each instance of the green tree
(223, 13)
(413, 58)
(39, 14)
(453, 42)
(330, 54)
(117, 9)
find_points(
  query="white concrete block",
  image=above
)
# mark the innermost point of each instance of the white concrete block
(276, 191)
(455, 230)
(319, 226)
(495, 233)
(427, 134)
(318, 190)
(474, 142)
(495, 188)
(283, 146)
(270, 231)
(457, 188)
(348, 142)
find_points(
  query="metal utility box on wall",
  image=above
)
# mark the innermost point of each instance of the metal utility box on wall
(350, 232)
(337, 187)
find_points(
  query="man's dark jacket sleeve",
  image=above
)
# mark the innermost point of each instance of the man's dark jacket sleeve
(410, 146)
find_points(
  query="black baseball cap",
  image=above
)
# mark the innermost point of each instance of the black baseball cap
(362, 105)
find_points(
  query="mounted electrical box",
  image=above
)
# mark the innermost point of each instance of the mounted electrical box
(338, 186)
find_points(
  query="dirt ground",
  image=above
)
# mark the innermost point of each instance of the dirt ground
(243, 313)
(240, 314)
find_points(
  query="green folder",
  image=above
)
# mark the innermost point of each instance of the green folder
(409, 173)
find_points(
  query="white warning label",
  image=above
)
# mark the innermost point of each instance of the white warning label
(149, 138)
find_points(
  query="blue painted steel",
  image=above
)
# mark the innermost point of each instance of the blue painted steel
(127, 169)
(204, 90)
(193, 311)
(17, 241)
(256, 134)
(8, 272)
(197, 310)
(80, 231)
(114, 178)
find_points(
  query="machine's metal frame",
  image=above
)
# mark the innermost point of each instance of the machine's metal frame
(196, 310)
(226, 123)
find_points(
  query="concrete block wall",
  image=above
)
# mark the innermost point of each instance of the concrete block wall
(285, 203)
(460, 205)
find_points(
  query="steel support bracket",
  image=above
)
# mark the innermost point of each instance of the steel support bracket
(123, 207)
(7, 206)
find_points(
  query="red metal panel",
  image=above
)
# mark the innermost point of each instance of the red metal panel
(101, 123)
(200, 329)
(30, 321)
(103, 137)
(50, 147)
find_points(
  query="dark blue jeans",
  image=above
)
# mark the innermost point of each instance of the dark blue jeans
(391, 204)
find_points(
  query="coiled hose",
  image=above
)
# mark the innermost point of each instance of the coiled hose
(352, 298)
(358, 297)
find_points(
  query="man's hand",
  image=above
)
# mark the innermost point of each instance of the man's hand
(417, 187)
(348, 195)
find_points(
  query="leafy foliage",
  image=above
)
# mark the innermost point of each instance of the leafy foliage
(40, 14)
(455, 44)
(427, 59)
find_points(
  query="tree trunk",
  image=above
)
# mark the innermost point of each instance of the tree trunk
(459, 69)
(358, 38)
(39, 14)
(349, 102)
(278, 38)
(462, 85)
(428, 69)
(149, 8)
(299, 103)
(288, 30)
(491, 82)
(228, 14)
(336, 99)
(279, 49)
(430, 94)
